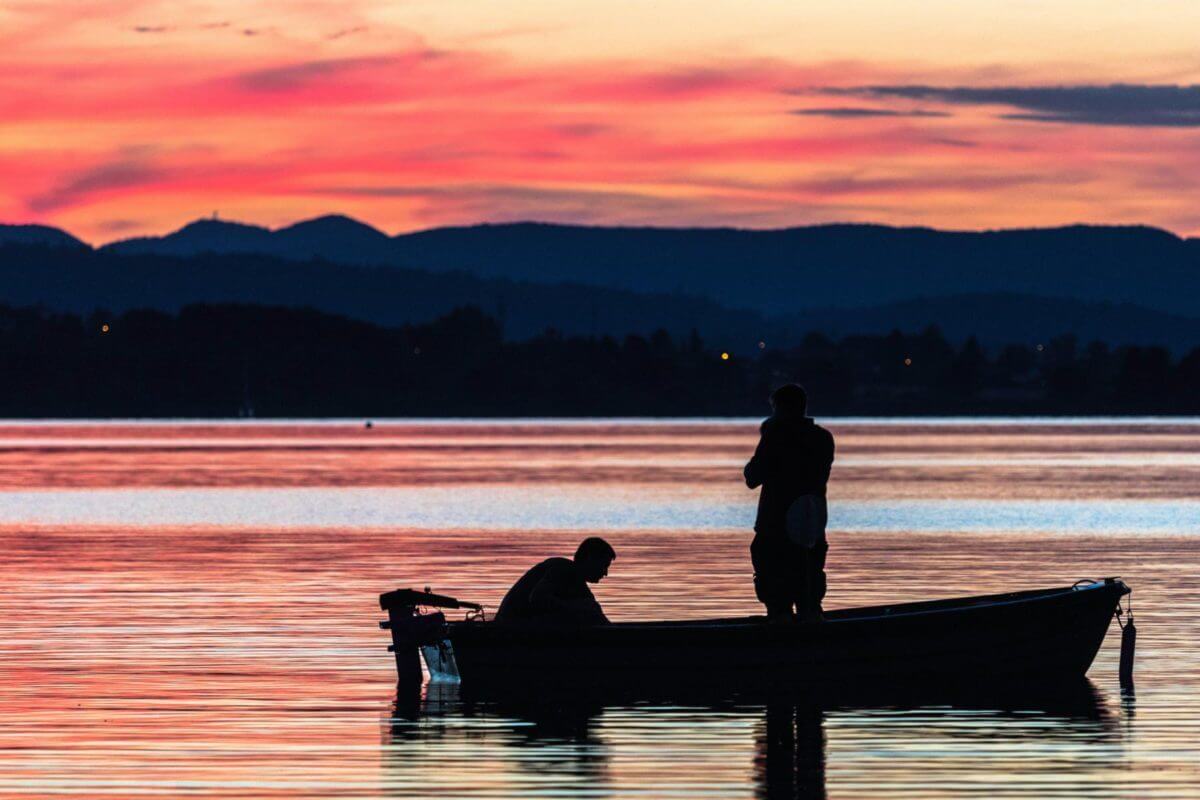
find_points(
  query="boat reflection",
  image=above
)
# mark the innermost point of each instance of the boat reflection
(587, 744)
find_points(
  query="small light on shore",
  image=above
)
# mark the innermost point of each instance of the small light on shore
(724, 356)
(104, 328)
(762, 345)
(908, 362)
(1041, 347)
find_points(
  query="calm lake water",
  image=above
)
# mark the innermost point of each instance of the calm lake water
(189, 609)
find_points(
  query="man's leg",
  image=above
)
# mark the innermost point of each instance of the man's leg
(800, 584)
(771, 584)
(808, 586)
(816, 580)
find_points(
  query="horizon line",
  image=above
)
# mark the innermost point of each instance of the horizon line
(558, 224)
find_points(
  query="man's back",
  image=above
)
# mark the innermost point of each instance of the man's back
(553, 591)
(793, 458)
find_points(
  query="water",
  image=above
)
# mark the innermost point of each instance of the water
(188, 609)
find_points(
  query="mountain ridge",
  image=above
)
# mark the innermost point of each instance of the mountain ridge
(39, 235)
(84, 280)
(770, 271)
(351, 222)
(770, 274)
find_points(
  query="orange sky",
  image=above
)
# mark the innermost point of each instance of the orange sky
(123, 117)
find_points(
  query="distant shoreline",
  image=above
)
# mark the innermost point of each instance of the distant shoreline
(1032, 420)
(243, 361)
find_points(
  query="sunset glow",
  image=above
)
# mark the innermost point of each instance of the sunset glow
(128, 117)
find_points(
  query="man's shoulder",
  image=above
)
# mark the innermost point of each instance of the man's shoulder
(557, 567)
(818, 438)
(544, 567)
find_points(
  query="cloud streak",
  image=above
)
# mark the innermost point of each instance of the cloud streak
(1118, 104)
(123, 173)
(299, 75)
(344, 32)
(853, 112)
(921, 184)
(206, 26)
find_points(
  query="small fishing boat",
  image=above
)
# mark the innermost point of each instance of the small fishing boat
(1031, 638)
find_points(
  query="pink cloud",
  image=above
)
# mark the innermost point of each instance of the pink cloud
(102, 179)
(481, 134)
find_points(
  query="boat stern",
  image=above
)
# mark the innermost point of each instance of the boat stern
(416, 632)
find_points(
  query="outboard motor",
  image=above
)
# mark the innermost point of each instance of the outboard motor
(412, 630)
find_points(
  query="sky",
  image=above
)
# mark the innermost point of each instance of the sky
(130, 117)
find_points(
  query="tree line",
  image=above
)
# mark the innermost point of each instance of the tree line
(226, 360)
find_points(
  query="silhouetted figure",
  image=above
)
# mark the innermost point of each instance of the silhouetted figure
(792, 465)
(556, 590)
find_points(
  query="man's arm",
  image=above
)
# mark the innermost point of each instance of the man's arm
(590, 613)
(558, 595)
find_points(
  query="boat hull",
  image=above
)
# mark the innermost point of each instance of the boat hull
(1029, 637)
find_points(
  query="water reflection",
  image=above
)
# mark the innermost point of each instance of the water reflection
(790, 752)
(553, 743)
(781, 741)
(153, 660)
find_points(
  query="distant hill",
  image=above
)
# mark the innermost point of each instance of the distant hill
(38, 235)
(769, 271)
(737, 287)
(835, 265)
(334, 238)
(80, 280)
(83, 280)
(201, 236)
(1006, 318)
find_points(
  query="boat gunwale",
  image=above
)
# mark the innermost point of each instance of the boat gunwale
(924, 608)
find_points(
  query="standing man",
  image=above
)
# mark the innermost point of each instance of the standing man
(791, 464)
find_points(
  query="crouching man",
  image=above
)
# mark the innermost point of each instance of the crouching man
(556, 590)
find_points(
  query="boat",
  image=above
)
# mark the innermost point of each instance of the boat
(1030, 638)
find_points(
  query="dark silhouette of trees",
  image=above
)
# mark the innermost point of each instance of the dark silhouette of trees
(225, 360)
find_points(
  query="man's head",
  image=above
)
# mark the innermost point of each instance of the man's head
(593, 557)
(790, 399)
